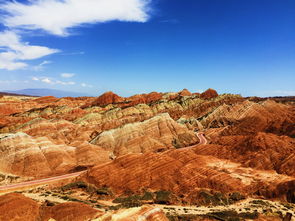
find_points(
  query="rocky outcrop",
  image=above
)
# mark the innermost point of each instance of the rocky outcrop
(209, 94)
(185, 92)
(156, 134)
(144, 98)
(107, 98)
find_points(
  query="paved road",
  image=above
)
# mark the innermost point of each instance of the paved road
(39, 182)
(202, 139)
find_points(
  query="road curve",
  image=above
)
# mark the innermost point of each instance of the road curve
(39, 182)
(202, 139)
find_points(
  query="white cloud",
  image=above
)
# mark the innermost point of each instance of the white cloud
(67, 75)
(86, 85)
(48, 80)
(65, 83)
(16, 51)
(57, 16)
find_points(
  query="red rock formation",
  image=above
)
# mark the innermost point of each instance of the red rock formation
(152, 97)
(70, 211)
(260, 151)
(16, 207)
(185, 92)
(208, 94)
(144, 98)
(183, 173)
(47, 99)
(107, 98)
(247, 117)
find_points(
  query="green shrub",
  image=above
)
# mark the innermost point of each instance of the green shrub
(104, 191)
(163, 197)
(235, 197)
(127, 199)
(260, 202)
(214, 199)
(231, 215)
(147, 196)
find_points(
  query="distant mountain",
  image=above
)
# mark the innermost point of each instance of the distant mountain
(48, 92)
(11, 94)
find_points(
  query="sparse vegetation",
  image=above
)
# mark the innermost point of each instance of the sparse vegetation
(231, 215)
(260, 202)
(163, 197)
(87, 188)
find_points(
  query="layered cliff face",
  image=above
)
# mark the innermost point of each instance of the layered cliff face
(24, 155)
(261, 151)
(156, 134)
(184, 173)
(250, 117)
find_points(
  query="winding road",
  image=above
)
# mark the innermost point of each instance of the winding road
(16, 186)
(39, 182)
(202, 138)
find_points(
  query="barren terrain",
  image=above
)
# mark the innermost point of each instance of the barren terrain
(156, 156)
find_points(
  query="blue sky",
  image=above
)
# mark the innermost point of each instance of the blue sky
(136, 46)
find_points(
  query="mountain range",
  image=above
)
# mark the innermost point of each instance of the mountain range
(156, 156)
(40, 92)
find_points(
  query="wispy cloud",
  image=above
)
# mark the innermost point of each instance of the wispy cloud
(15, 52)
(67, 75)
(40, 67)
(74, 53)
(171, 21)
(86, 85)
(51, 81)
(56, 17)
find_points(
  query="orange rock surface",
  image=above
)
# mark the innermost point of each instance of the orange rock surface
(184, 173)
(16, 207)
(107, 98)
(208, 94)
(70, 211)
(185, 92)
(147, 142)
